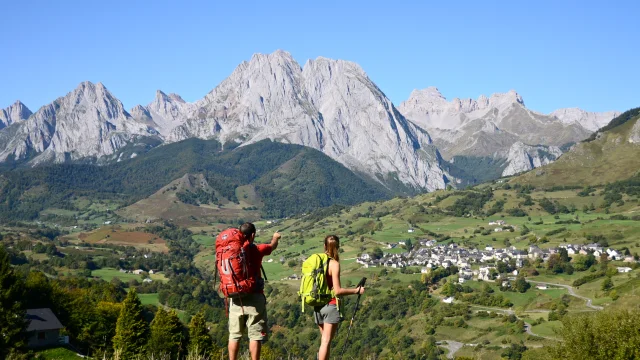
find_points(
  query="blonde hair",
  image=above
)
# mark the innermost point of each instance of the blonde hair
(331, 246)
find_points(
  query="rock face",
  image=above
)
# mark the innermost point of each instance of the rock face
(523, 157)
(591, 121)
(13, 114)
(329, 105)
(87, 122)
(491, 126)
(634, 134)
(164, 113)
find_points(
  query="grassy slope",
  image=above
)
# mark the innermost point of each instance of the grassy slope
(608, 158)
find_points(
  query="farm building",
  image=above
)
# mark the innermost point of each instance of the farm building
(44, 328)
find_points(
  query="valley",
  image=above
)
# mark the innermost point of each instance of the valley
(418, 240)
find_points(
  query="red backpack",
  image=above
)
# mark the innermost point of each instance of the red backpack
(237, 276)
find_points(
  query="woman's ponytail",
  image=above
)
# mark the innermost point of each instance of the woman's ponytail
(331, 246)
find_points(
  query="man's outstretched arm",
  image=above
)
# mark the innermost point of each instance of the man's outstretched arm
(274, 240)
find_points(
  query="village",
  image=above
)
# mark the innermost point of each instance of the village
(480, 264)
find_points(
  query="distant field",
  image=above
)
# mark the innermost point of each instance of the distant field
(107, 274)
(117, 235)
(547, 328)
(149, 299)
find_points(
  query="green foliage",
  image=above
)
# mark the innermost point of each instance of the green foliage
(309, 180)
(132, 330)
(517, 212)
(514, 352)
(618, 121)
(522, 285)
(588, 278)
(556, 231)
(583, 262)
(474, 170)
(200, 342)
(168, 338)
(377, 253)
(605, 335)
(607, 284)
(12, 308)
(471, 203)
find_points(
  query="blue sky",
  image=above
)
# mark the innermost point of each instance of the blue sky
(554, 53)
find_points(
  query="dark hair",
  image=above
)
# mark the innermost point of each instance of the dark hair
(247, 229)
(331, 246)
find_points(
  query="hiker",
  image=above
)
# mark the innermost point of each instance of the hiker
(327, 317)
(249, 312)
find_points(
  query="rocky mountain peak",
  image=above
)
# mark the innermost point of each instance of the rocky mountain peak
(508, 98)
(15, 113)
(589, 120)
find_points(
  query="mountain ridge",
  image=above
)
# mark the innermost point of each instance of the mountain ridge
(329, 105)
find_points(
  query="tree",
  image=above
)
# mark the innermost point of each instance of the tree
(522, 285)
(607, 284)
(132, 330)
(167, 335)
(604, 335)
(12, 309)
(377, 253)
(514, 352)
(409, 244)
(200, 342)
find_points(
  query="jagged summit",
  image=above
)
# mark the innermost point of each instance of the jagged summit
(15, 113)
(590, 120)
(327, 104)
(87, 122)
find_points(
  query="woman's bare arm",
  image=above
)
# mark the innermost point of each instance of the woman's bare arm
(334, 272)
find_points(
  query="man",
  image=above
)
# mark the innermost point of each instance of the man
(250, 312)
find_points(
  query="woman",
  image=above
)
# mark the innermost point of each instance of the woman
(327, 317)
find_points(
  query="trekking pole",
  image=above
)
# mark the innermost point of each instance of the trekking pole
(360, 284)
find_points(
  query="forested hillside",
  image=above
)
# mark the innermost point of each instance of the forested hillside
(289, 179)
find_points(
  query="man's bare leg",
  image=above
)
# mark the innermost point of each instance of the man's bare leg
(234, 346)
(254, 348)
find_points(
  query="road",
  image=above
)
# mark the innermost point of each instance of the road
(454, 346)
(572, 292)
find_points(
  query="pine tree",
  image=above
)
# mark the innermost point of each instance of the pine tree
(167, 335)
(12, 309)
(132, 330)
(200, 342)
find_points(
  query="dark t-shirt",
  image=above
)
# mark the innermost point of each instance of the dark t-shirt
(255, 253)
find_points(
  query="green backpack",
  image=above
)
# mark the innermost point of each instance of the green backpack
(314, 288)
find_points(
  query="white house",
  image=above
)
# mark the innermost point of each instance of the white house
(484, 273)
(614, 254)
(410, 230)
(138, 272)
(448, 300)
(624, 269)
(497, 229)
(461, 280)
(541, 287)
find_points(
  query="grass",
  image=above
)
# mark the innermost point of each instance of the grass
(149, 299)
(58, 353)
(107, 274)
(547, 328)
(610, 158)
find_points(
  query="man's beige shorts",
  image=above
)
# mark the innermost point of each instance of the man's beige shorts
(248, 313)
